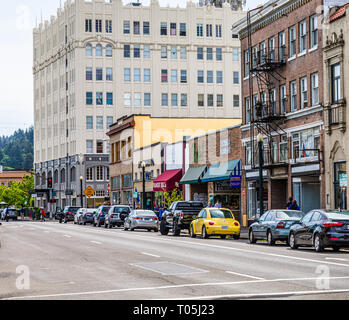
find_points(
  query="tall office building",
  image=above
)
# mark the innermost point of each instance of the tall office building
(99, 60)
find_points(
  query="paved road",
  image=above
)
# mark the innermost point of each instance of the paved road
(66, 261)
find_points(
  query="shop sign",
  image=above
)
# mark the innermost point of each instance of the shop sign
(343, 180)
(235, 182)
(223, 186)
(160, 185)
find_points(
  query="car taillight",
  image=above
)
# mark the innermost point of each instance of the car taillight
(101, 215)
(182, 215)
(236, 224)
(111, 216)
(69, 212)
(211, 223)
(155, 219)
(280, 225)
(329, 224)
(137, 218)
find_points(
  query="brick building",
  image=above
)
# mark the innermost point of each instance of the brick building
(214, 171)
(282, 77)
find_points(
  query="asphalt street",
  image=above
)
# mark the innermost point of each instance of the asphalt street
(48, 260)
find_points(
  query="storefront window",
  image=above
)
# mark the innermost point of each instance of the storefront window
(305, 142)
(340, 191)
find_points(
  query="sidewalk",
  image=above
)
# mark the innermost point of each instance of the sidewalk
(244, 233)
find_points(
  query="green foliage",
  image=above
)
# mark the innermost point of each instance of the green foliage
(170, 197)
(17, 194)
(17, 150)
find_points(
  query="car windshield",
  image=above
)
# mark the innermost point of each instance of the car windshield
(91, 210)
(221, 214)
(289, 214)
(121, 209)
(144, 213)
(105, 209)
(189, 205)
(74, 210)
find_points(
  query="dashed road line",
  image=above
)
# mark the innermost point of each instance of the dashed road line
(245, 275)
(151, 255)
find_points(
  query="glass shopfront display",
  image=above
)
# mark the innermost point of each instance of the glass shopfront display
(340, 185)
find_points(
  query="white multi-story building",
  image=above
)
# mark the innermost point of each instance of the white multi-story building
(99, 60)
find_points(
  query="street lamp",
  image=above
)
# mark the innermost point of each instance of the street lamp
(81, 200)
(143, 165)
(260, 140)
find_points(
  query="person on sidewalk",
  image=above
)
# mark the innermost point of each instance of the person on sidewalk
(21, 211)
(294, 205)
(42, 214)
(289, 203)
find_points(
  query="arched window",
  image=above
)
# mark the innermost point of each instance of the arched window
(109, 51)
(88, 50)
(99, 50)
(63, 176)
(72, 174)
(55, 177)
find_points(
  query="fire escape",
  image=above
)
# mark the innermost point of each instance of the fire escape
(266, 62)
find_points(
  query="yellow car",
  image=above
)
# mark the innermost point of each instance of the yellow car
(215, 222)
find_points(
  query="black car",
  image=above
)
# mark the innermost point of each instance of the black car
(321, 229)
(58, 213)
(68, 214)
(98, 218)
(179, 216)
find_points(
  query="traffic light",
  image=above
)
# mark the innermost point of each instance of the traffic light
(49, 183)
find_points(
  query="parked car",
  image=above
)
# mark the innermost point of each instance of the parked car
(215, 222)
(2, 214)
(179, 216)
(274, 225)
(68, 214)
(142, 219)
(100, 215)
(116, 216)
(321, 229)
(78, 215)
(87, 216)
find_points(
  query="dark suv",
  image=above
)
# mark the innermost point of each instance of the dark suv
(179, 216)
(68, 214)
(98, 218)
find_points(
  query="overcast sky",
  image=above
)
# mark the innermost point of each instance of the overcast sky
(17, 18)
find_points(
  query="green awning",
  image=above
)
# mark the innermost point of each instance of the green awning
(193, 175)
(223, 171)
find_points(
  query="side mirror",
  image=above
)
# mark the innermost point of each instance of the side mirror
(256, 220)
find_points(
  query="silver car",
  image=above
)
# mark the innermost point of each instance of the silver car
(78, 215)
(116, 216)
(142, 219)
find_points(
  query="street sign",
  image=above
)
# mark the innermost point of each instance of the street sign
(89, 192)
(343, 180)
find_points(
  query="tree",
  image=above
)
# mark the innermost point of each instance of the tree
(17, 193)
(170, 197)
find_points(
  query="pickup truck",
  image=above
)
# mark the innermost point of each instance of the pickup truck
(179, 216)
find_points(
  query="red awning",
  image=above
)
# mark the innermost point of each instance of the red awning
(168, 180)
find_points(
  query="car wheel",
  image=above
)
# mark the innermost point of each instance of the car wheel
(318, 243)
(84, 223)
(156, 230)
(192, 234)
(251, 237)
(236, 236)
(204, 233)
(176, 229)
(105, 225)
(270, 239)
(110, 226)
(99, 224)
(292, 241)
(125, 228)
(149, 230)
(163, 228)
(223, 236)
(335, 248)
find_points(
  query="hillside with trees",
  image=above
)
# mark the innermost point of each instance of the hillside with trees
(17, 150)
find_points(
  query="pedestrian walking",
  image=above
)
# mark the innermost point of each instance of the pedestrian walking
(21, 211)
(218, 204)
(42, 214)
(7, 214)
(294, 205)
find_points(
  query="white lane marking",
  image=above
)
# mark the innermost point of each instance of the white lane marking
(190, 285)
(338, 259)
(244, 275)
(151, 255)
(196, 243)
(96, 242)
(256, 295)
(67, 236)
